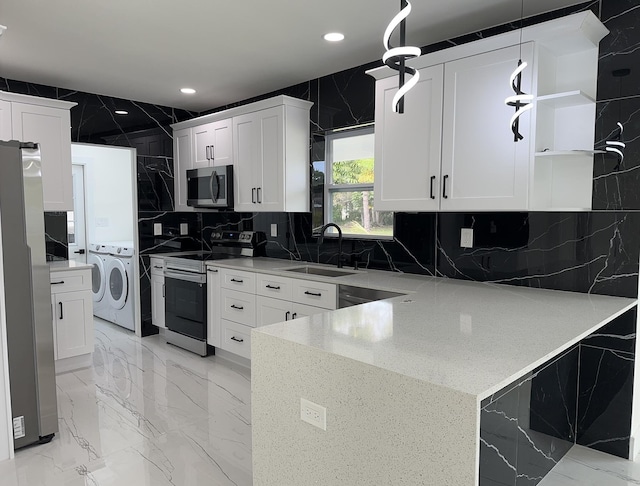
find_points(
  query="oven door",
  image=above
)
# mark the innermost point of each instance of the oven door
(186, 303)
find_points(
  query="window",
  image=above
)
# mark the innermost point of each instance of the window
(348, 195)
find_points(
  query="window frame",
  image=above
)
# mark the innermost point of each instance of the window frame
(330, 188)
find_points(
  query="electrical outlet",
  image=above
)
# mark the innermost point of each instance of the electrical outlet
(184, 228)
(313, 414)
(274, 230)
(466, 238)
(157, 229)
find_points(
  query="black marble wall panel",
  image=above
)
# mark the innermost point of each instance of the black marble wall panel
(594, 252)
(526, 428)
(55, 235)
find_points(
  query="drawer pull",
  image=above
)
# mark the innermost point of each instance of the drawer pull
(294, 316)
(239, 307)
(233, 338)
(57, 283)
(306, 292)
(287, 315)
(273, 287)
(160, 268)
(212, 270)
(237, 281)
(61, 314)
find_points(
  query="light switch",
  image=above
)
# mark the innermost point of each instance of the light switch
(184, 228)
(157, 229)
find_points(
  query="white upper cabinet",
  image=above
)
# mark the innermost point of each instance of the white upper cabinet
(267, 142)
(409, 144)
(48, 123)
(212, 144)
(479, 166)
(482, 167)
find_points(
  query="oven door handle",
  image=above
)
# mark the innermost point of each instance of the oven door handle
(188, 277)
(214, 188)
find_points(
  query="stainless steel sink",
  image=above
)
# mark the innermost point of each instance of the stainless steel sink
(349, 295)
(325, 272)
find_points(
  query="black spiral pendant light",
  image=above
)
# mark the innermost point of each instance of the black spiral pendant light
(396, 57)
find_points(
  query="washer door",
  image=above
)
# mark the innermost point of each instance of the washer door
(97, 276)
(118, 283)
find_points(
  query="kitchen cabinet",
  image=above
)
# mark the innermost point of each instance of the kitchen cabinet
(212, 144)
(182, 161)
(409, 143)
(479, 166)
(267, 142)
(47, 122)
(270, 310)
(157, 292)
(71, 300)
(213, 307)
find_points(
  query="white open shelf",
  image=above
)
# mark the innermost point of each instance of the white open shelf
(566, 99)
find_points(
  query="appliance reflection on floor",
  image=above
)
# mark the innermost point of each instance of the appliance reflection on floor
(145, 413)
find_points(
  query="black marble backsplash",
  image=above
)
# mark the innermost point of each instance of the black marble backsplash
(55, 235)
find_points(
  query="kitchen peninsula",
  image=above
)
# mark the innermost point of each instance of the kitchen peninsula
(407, 382)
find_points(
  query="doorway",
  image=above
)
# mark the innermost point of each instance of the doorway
(76, 219)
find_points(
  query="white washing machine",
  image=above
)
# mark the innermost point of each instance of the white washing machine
(120, 274)
(98, 256)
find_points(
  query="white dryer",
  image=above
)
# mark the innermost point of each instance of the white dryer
(98, 256)
(120, 274)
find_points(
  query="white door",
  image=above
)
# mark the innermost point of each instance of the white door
(482, 167)
(203, 139)
(270, 311)
(270, 190)
(76, 219)
(246, 141)
(5, 120)
(213, 307)
(182, 152)
(222, 147)
(157, 300)
(301, 310)
(407, 145)
(73, 334)
(117, 284)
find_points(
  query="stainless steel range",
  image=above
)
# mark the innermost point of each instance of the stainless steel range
(186, 286)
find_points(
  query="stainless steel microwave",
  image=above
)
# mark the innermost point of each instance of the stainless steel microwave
(210, 187)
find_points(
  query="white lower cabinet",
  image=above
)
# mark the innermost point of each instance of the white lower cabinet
(270, 311)
(236, 338)
(72, 307)
(213, 307)
(157, 292)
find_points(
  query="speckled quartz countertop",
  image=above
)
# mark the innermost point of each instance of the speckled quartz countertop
(61, 266)
(472, 337)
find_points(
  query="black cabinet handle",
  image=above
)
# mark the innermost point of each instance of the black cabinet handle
(253, 195)
(212, 270)
(206, 152)
(258, 193)
(57, 283)
(163, 295)
(239, 307)
(61, 314)
(294, 315)
(444, 187)
(156, 266)
(306, 292)
(433, 178)
(213, 151)
(80, 251)
(233, 338)
(237, 281)
(287, 315)
(273, 287)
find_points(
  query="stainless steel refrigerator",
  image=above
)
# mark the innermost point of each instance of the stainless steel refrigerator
(27, 295)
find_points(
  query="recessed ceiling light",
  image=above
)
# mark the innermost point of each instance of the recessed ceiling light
(121, 112)
(2, 29)
(333, 37)
(188, 90)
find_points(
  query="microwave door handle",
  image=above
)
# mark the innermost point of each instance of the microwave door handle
(216, 192)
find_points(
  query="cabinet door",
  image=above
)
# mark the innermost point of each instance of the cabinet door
(157, 300)
(51, 128)
(270, 311)
(482, 167)
(246, 143)
(270, 190)
(73, 323)
(222, 145)
(301, 310)
(182, 153)
(407, 146)
(5, 120)
(213, 307)
(203, 139)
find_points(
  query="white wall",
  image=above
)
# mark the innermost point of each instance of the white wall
(6, 428)
(109, 191)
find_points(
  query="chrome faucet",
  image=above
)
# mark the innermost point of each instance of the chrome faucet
(321, 237)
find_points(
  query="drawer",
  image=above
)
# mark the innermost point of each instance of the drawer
(70, 280)
(238, 280)
(236, 338)
(317, 294)
(157, 266)
(276, 287)
(238, 307)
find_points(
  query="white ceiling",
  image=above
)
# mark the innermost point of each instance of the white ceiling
(146, 50)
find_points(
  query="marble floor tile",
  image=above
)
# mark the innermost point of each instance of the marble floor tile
(587, 467)
(144, 413)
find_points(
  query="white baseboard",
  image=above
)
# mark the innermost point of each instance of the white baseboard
(74, 363)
